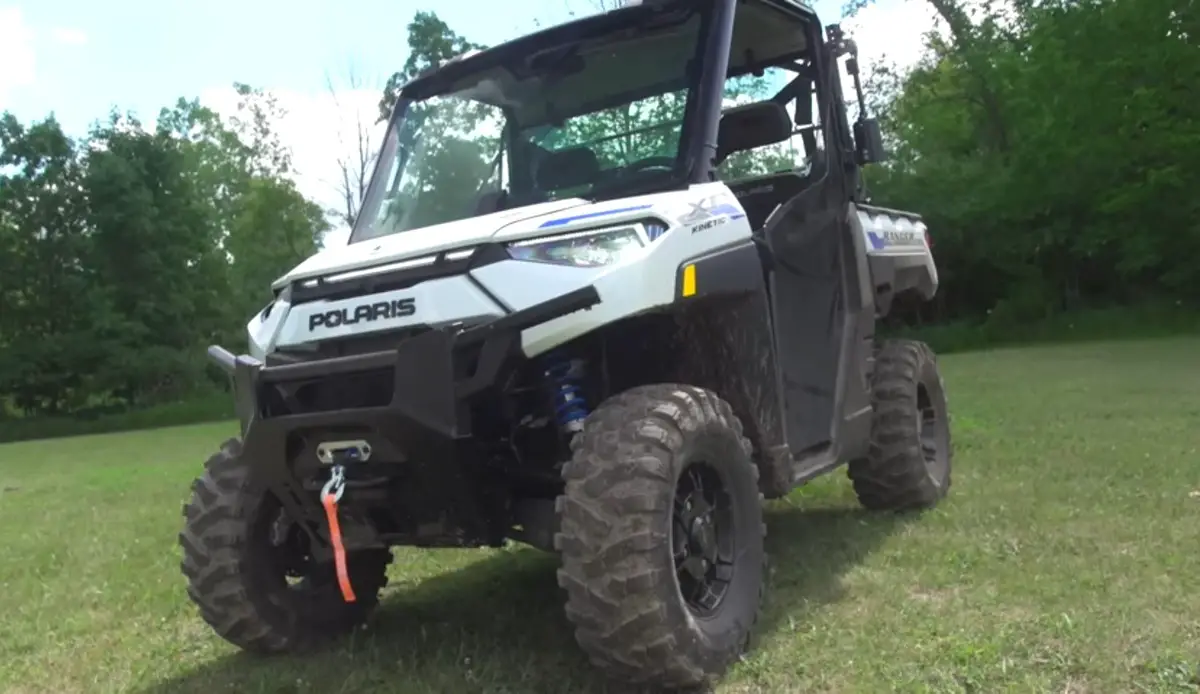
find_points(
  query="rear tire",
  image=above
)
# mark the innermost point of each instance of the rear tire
(909, 463)
(631, 486)
(238, 579)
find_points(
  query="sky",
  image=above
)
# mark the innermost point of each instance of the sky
(78, 59)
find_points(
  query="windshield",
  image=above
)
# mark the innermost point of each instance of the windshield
(592, 118)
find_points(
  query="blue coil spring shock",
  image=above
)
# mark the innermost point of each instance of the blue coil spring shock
(570, 409)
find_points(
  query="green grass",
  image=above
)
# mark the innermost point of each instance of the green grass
(205, 407)
(1141, 321)
(1066, 559)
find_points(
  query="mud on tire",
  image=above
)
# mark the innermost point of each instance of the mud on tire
(620, 536)
(911, 454)
(237, 578)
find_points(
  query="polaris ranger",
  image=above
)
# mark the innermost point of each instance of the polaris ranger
(588, 306)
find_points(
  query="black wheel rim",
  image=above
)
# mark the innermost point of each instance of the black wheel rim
(702, 538)
(930, 429)
(288, 565)
(290, 549)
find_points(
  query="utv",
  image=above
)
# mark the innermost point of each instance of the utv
(591, 305)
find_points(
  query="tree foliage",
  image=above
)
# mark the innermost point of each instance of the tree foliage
(1052, 145)
(123, 254)
(430, 42)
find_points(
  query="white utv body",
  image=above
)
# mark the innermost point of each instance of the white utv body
(588, 307)
(683, 225)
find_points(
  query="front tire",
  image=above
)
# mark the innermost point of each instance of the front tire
(910, 458)
(653, 601)
(239, 551)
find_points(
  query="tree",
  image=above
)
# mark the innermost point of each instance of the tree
(154, 234)
(430, 43)
(272, 230)
(264, 225)
(1041, 155)
(48, 350)
(123, 255)
(257, 113)
(358, 149)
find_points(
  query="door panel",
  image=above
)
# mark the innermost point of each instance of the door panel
(805, 237)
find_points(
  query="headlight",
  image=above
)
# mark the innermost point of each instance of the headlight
(592, 248)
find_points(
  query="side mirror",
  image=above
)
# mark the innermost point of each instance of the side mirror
(868, 142)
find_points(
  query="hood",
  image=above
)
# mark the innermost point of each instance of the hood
(418, 242)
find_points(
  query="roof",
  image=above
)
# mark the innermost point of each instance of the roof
(592, 26)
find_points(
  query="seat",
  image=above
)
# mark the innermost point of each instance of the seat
(760, 195)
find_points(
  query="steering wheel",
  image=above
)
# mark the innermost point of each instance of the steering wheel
(667, 163)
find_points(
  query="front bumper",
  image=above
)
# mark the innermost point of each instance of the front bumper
(421, 423)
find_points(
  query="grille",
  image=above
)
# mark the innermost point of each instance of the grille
(371, 388)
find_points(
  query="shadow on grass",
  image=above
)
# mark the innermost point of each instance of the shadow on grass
(497, 626)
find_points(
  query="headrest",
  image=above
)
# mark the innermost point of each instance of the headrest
(750, 126)
(567, 168)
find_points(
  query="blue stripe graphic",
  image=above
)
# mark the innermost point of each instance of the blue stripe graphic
(726, 208)
(877, 242)
(590, 215)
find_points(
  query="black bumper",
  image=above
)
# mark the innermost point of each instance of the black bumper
(422, 422)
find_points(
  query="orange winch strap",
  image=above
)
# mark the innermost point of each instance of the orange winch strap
(339, 551)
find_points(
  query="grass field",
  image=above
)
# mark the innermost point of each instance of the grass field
(1066, 559)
